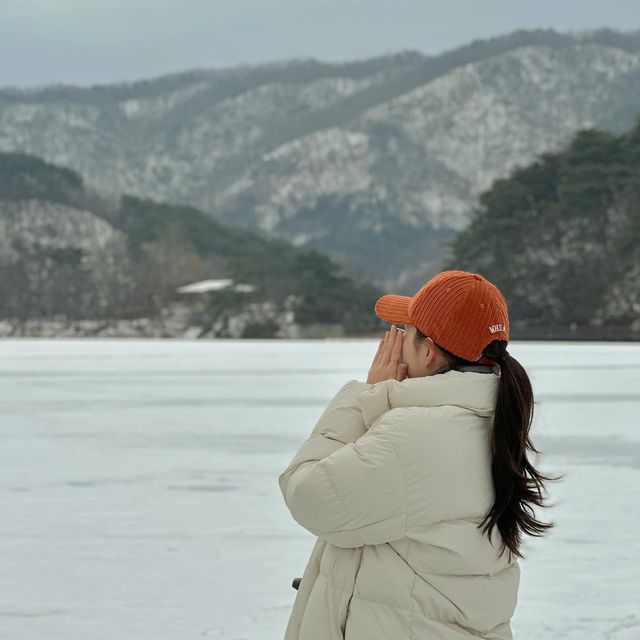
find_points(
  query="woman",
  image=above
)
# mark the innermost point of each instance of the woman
(417, 482)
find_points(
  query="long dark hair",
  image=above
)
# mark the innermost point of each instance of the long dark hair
(518, 485)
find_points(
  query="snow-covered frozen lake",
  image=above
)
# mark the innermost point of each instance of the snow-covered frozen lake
(140, 496)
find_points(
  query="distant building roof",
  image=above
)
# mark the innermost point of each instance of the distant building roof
(214, 285)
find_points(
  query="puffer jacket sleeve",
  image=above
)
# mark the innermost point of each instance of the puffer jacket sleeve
(345, 484)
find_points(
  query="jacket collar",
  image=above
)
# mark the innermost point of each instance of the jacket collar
(468, 388)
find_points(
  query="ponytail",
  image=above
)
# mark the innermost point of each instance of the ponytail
(518, 485)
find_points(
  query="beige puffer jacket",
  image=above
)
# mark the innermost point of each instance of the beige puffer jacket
(394, 479)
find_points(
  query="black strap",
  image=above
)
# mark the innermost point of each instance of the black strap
(477, 368)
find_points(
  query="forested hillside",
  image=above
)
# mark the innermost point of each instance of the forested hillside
(561, 237)
(68, 252)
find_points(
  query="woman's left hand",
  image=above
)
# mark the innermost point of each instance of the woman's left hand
(386, 363)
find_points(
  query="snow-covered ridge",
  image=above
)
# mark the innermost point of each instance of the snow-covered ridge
(264, 151)
(43, 224)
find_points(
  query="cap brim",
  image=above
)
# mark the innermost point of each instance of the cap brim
(393, 308)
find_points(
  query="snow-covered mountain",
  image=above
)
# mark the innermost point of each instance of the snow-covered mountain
(377, 163)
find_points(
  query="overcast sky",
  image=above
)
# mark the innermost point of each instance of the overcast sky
(101, 41)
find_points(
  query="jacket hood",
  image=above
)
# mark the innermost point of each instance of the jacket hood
(476, 392)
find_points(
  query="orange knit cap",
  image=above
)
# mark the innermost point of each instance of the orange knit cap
(460, 311)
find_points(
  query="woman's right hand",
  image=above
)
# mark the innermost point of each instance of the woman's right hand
(386, 363)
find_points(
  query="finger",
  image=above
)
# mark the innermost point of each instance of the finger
(397, 345)
(386, 352)
(379, 351)
(391, 346)
(385, 341)
(378, 357)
